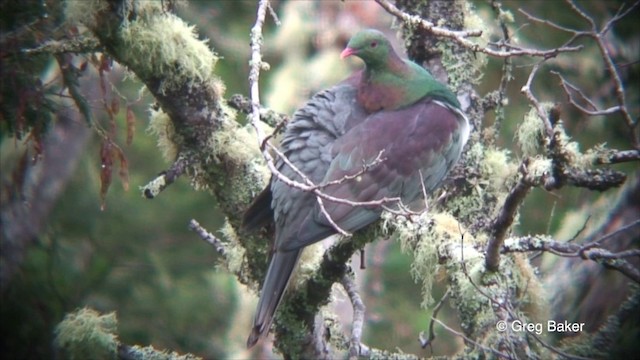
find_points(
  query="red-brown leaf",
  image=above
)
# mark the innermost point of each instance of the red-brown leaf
(115, 105)
(131, 125)
(106, 170)
(124, 167)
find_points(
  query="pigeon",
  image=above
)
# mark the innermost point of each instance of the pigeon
(384, 136)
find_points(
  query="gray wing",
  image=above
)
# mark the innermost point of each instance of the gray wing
(307, 144)
(419, 145)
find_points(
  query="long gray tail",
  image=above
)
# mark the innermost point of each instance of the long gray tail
(278, 276)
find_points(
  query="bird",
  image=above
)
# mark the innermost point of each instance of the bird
(389, 131)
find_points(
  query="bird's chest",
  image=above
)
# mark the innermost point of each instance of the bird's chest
(373, 97)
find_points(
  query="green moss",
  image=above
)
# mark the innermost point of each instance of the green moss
(85, 334)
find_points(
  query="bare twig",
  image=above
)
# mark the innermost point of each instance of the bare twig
(608, 259)
(358, 315)
(166, 178)
(77, 45)
(569, 88)
(310, 186)
(500, 355)
(506, 74)
(599, 37)
(610, 235)
(270, 117)
(218, 244)
(526, 90)
(426, 342)
(620, 156)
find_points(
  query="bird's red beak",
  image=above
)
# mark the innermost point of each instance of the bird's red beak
(347, 52)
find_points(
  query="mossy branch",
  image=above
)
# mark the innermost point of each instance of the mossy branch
(197, 132)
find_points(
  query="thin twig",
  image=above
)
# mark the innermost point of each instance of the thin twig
(500, 355)
(76, 45)
(211, 239)
(432, 335)
(462, 37)
(526, 90)
(599, 37)
(568, 88)
(605, 257)
(166, 178)
(608, 236)
(358, 315)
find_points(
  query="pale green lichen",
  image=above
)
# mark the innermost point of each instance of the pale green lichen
(467, 206)
(506, 16)
(570, 149)
(158, 43)
(150, 353)
(161, 126)
(235, 253)
(465, 67)
(598, 154)
(307, 265)
(154, 187)
(238, 143)
(531, 130)
(539, 167)
(425, 252)
(473, 21)
(238, 147)
(462, 67)
(85, 334)
(498, 173)
(532, 294)
(427, 238)
(498, 169)
(83, 12)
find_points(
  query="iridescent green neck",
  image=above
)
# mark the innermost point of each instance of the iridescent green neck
(396, 83)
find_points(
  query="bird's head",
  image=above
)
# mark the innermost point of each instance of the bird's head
(369, 45)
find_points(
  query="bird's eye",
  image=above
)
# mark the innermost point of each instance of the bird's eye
(373, 44)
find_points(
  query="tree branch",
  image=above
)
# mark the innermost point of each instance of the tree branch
(461, 37)
(504, 220)
(608, 259)
(349, 286)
